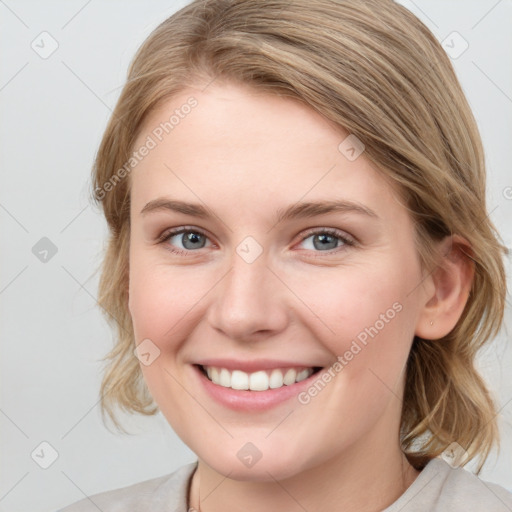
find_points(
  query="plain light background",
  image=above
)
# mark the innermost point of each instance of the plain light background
(53, 113)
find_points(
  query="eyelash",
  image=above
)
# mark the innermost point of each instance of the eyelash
(346, 241)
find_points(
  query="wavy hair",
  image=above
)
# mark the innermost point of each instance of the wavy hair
(374, 69)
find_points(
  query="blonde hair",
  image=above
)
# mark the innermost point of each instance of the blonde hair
(375, 70)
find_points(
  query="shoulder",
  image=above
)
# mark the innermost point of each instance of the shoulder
(462, 490)
(166, 493)
(439, 487)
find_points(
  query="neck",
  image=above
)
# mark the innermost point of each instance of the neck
(362, 482)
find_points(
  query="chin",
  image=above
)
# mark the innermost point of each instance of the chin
(275, 466)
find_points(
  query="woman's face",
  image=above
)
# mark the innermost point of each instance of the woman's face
(233, 270)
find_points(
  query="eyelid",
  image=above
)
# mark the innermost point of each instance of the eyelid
(342, 235)
(168, 233)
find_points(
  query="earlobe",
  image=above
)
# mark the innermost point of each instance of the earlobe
(451, 280)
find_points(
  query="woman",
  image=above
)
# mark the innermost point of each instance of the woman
(301, 265)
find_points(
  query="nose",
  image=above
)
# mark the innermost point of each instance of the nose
(250, 302)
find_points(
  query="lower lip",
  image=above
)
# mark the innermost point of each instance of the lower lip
(242, 400)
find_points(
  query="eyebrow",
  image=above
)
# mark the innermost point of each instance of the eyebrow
(295, 211)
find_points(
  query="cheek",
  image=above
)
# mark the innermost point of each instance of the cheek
(160, 298)
(164, 304)
(363, 313)
(373, 324)
(146, 305)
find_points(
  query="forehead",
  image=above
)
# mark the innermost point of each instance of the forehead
(233, 143)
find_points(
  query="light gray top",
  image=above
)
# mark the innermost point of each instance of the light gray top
(437, 488)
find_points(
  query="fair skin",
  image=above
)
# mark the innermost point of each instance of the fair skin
(243, 155)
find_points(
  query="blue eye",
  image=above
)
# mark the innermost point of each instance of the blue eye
(319, 240)
(326, 240)
(190, 239)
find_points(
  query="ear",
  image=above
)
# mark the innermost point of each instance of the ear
(449, 287)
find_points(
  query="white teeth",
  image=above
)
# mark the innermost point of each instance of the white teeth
(239, 380)
(289, 377)
(224, 378)
(276, 379)
(304, 374)
(257, 381)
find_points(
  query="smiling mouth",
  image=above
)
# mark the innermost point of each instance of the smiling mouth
(261, 380)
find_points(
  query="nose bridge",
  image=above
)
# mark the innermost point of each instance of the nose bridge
(249, 299)
(250, 279)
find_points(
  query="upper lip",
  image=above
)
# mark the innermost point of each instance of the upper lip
(254, 365)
